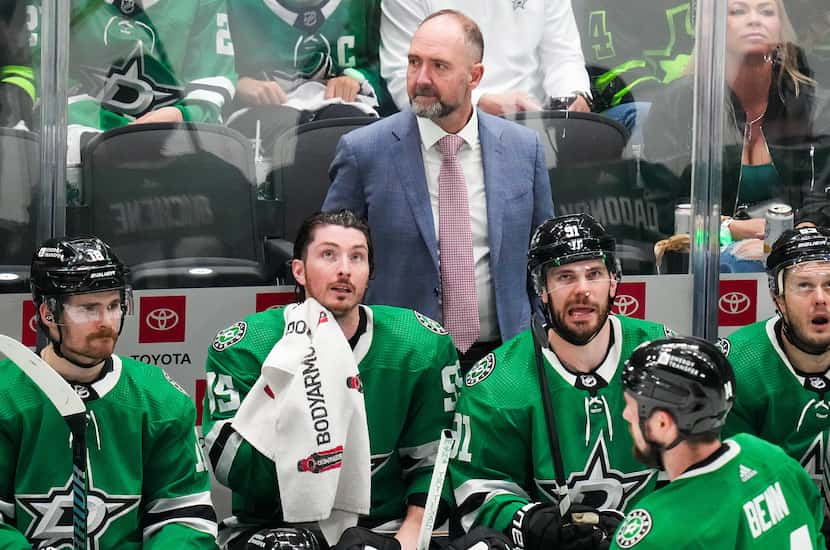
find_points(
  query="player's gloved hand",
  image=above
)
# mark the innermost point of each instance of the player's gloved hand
(481, 538)
(283, 538)
(359, 538)
(586, 528)
(538, 526)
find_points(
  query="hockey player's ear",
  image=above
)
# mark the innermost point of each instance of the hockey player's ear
(46, 314)
(298, 270)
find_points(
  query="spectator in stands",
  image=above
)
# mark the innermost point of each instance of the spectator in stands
(308, 60)
(532, 56)
(632, 52)
(447, 180)
(774, 131)
(139, 62)
(17, 88)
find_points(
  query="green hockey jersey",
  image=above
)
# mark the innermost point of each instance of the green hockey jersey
(633, 49)
(409, 378)
(128, 58)
(773, 400)
(750, 495)
(148, 484)
(292, 42)
(502, 459)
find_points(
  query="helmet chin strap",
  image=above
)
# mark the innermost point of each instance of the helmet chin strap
(656, 449)
(798, 342)
(795, 339)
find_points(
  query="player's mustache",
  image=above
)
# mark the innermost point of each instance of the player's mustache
(426, 91)
(103, 333)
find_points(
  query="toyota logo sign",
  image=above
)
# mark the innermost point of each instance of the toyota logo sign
(734, 303)
(626, 304)
(162, 319)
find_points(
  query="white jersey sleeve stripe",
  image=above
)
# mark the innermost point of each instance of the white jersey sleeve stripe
(421, 456)
(197, 524)
(194, 511)
(491, 488)
(222, 444)
(162, 505)
(6, 511)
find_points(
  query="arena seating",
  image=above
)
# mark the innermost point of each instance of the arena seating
(19, 202)
(176, 201)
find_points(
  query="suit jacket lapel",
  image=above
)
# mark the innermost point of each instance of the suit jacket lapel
(492, 157)
(406, 154)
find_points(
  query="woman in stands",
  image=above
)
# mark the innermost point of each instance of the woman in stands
(771, 130)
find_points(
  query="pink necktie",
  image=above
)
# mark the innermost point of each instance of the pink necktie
(455, 246)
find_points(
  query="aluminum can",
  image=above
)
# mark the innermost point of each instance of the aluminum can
(682, 218)
(779, 218)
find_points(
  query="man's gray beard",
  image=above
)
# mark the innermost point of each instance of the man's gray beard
(433, 111)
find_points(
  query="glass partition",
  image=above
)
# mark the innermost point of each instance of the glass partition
(25, 209)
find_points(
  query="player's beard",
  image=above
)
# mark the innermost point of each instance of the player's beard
(97, 346)
(584, 333)
(437, 109)
(649, 456)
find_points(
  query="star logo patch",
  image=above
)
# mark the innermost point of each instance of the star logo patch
(599, 485)
(51, 514)
(127, 88)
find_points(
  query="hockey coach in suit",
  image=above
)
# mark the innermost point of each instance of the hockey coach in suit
(393, 172)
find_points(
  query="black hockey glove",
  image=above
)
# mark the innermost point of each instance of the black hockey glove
(359, 538)
(602, 523)
(483, 538)
(283, 538)
(538, 526)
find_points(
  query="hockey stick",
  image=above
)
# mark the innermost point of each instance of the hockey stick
(73, 411)
(436, 485)
(540, 338)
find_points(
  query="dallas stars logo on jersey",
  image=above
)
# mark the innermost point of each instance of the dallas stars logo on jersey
(599, 485)
(51, 513)
(128, 88)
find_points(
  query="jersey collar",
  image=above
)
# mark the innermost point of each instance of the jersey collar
(361, 348)
(733, 450)
(290, 16)
(606, 370)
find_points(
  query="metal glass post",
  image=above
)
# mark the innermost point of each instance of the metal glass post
(707, 160)
(54, 64)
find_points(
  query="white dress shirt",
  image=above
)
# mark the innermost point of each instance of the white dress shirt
(469, 155)
(529, 45)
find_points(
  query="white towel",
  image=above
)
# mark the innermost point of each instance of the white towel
(306, 413)
(311, 96)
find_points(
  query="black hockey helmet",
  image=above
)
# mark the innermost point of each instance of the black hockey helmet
(688, 377)
(567, 239)
(77, 265)
(796, 246)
